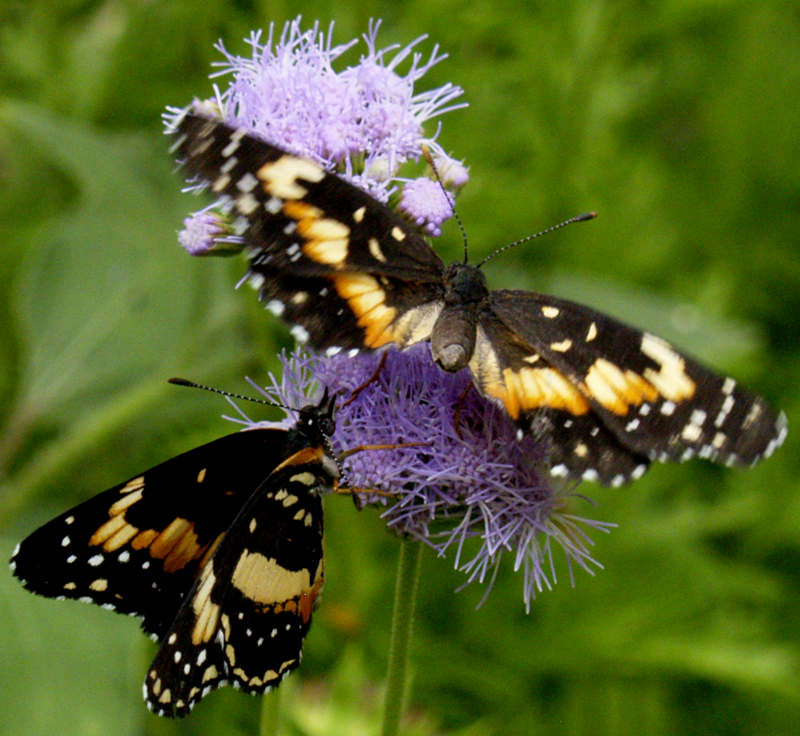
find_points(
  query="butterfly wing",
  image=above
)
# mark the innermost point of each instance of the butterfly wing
(335, 263)
(591, 373)
(137, 548)
(247, 615)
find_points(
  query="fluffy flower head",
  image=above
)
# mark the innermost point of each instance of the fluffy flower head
(468, 487)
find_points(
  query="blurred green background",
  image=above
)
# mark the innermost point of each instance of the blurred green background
(677, 121)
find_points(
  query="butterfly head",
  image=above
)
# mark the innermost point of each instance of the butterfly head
(317, 422)
(464, 284)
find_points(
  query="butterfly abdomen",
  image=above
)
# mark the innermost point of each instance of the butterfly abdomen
(454, 333)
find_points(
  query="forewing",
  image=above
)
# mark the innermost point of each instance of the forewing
(349, 311)
(335, 263)
(656, 402)
(137, 548)
(247, 615)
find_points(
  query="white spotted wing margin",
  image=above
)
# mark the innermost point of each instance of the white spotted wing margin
(137, 548)
(245, 619)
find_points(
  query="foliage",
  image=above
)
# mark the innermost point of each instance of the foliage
(676, 121)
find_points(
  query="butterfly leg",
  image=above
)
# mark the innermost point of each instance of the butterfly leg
(370, 380)
(459, 406)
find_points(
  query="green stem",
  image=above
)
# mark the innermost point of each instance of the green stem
(270, 713)
(404, 603)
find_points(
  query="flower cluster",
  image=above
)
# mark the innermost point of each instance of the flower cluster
(364, 122)
(465, 474)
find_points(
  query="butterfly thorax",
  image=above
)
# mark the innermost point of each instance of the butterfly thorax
(453, 335)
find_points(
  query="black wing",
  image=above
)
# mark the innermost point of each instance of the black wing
(335, 263)
(613, 397)
(247, 615)
(138, 547)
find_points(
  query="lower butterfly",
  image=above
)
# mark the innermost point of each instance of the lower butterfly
(219, 551)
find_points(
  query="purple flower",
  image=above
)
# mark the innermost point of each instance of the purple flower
(364, 122)
(470, 488)
(209, 233)
(425, 205)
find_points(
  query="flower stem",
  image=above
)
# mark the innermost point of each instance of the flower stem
(270, 713)
(404, 604)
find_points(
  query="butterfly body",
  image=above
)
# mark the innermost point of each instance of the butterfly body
(219, 551)
(347, 273)
(454, 332)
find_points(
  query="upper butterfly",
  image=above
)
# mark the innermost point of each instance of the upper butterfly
(350, 274)
(218, 551)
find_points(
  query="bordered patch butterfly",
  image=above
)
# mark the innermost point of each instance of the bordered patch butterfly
(349, 274)
(219, 551)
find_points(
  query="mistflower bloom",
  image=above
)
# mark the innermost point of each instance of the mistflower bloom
(453, 173)
(364, 122)
(424, 204)
(209, 233)
(470, 490)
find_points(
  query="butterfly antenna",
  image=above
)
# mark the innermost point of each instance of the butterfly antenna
(192, 384)
(427, 154)
(578, 218)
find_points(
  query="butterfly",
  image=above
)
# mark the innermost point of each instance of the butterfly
(219, 551)
(348, 274)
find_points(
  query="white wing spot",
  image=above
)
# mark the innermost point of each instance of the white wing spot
(247, 183)
(246, 204)
(274, 205)
(300, 334)
(691, 433)
(698, 417)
